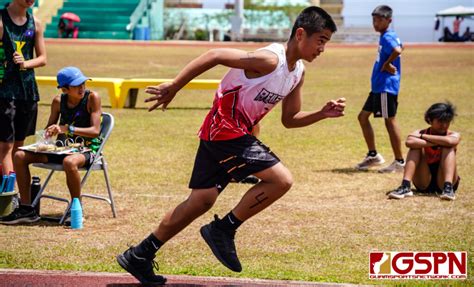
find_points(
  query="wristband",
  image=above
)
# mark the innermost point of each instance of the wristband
(71, 129)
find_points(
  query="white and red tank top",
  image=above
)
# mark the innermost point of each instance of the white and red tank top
(240, 102)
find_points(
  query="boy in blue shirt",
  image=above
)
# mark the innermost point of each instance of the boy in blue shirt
(382, 100)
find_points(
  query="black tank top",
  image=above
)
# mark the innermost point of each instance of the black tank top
(18, 84)
(78, 116)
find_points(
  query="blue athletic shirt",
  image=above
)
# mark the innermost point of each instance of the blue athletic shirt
(384, 81)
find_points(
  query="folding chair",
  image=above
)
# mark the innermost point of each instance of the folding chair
(98, 164)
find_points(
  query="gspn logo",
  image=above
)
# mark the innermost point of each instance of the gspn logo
(418, 265)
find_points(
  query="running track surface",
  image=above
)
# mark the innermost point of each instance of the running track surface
(38, 278)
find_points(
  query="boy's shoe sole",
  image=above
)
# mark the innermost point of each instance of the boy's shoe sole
(123, 262)
(396, 196)
(206, 234)
(446, 197)
(21, 220)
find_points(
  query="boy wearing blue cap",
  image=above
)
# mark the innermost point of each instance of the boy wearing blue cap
(79, 113)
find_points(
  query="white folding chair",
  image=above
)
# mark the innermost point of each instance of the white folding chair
(99, 163)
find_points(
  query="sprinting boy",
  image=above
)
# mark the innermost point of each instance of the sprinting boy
(431, 160)
(79, 113)
(383, 98)
(21, 36)
(255, 83)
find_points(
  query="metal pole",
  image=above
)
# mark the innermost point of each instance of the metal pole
(237, 20)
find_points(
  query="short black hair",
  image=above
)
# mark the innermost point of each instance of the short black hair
(313, 19)
(444, 112)
(383, 11)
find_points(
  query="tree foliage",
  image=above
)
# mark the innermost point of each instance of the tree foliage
(291, 10)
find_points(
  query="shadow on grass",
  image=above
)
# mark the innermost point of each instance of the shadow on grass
(347, 170)
(49, 220)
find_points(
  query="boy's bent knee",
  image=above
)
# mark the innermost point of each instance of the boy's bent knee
(362, 118)
(204, 199)
(285, 180)
(287, 183)
(69, 164)
(390, 122)
(5, 147)
(19, 157)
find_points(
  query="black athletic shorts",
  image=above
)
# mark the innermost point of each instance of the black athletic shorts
(58, 158)
(433, 186)
(217, 162)
(381, 105)
(17, 119)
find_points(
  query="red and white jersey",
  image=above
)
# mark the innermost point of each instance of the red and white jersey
(240, 102)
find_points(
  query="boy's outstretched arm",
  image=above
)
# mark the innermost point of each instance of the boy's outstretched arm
(293, 117)
(255, 64)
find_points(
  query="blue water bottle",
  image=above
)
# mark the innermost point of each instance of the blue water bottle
(4, 183)
(76, 214)
(11, 182)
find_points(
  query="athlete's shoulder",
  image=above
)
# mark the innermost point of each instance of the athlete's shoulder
(391, 36)
(37, 20)
(93, 95)
(38, 24)
(57, 99)
(274, 50)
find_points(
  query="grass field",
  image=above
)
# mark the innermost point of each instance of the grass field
(322, 230)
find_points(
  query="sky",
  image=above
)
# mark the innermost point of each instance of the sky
(413, 20)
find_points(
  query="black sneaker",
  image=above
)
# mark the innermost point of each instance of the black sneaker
(140, 268)
(22, 214)
(448, 193)
(400, 192)
(222, 244)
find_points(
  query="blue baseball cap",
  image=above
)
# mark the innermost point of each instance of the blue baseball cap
(70, 76)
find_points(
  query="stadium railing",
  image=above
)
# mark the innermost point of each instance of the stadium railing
(123, 92)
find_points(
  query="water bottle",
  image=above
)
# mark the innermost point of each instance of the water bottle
(76, 214)
(11, 182)
(10, 187)
(4, 183)
(34, 189)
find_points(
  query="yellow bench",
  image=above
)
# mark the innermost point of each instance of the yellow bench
(130, 87)
(120, 89)
(111, 84)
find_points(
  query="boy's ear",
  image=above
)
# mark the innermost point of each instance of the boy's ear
(64, 90)
(299, 33)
